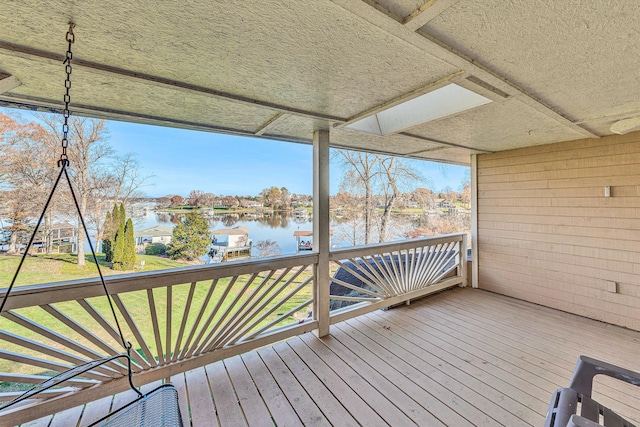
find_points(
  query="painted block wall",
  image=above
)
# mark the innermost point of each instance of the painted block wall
(548, 234)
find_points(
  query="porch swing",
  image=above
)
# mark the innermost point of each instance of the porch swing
(158, 407)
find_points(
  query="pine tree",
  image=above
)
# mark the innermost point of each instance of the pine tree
(129, 253)
(122, 216)
(190, 238)
(118, 248)
(107, 241)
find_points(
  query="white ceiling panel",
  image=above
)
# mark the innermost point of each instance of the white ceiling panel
(275, 69)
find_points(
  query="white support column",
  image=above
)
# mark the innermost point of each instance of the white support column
(463, 261)
(474, 220)
(321, 227)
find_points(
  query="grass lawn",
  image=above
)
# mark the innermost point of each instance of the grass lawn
(49, 268)
(62, 267)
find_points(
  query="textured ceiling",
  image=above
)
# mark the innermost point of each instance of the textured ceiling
(280, 69)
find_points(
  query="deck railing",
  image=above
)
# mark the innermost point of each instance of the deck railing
(377, 276)
(181, 319)
(176, 320)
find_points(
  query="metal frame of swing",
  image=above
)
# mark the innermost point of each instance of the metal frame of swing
(163, 398)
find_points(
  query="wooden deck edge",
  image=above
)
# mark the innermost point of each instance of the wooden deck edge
(361, 309)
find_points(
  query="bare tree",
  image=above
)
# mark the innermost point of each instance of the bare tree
(88, 150)
(374, 176)
(268, 248)
(285, 198)
(195, 198)
(27, 171)
(395, 176)
(208, 199)
(360, 170)
(127, 178)
(465, 189)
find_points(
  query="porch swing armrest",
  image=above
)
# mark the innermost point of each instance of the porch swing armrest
(587, 368)
(65, 376)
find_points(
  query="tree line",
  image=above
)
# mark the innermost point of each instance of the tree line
(279, 198)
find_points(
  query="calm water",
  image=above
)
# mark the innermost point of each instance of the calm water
(278, 227)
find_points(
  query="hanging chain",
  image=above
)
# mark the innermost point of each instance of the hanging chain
(70, 37)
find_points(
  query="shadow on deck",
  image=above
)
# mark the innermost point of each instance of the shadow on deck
(461, 357)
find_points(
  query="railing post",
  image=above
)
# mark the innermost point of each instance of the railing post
(474, 221)
(463, 260)
(321, 228)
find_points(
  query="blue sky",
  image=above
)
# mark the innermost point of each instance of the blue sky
(183, 160)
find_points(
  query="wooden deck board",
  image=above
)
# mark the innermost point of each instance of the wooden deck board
(224, 396)
(67, 418)
(466, 399)
(254, 408)
(371, 396)
(339, 385)
(460, 358)
(281, 410)
(559, 346)
(434, 407)
(400, 398)
(477, 373)
(203, 413)
(329, 404)
(301, 402)
(95, 410)
(554, 352)
(179, 382)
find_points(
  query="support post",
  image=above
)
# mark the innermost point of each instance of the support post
(321, 228)
(474, 221)
(463, 261)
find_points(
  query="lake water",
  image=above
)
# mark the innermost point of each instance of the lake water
(279, 227)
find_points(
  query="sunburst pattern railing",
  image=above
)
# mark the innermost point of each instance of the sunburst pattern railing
(175, 320)
(364, 279)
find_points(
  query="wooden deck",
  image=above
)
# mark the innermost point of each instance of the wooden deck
(462, 357)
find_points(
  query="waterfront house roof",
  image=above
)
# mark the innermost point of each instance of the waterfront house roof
(306, 233)
(155, 231)
(279, 70)
(235, 231)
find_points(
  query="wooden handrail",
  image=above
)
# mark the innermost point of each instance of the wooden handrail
(49, 293)
(180, 319)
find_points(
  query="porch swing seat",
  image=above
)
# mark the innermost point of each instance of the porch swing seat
(158, 408)
(574, 407)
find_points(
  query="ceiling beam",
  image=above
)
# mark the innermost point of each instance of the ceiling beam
(443, 52)
(426, 13)
(56, 107)
(269, 123)
(8, 82)
(438, 141)
(48, 57)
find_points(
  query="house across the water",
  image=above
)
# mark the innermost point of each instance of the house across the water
(230, 243)
(156, 234)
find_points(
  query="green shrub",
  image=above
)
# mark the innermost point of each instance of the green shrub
(155, 249)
